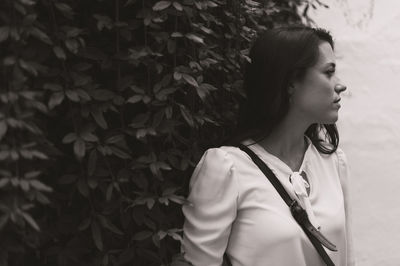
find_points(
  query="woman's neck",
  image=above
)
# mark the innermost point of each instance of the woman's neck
(286, 141)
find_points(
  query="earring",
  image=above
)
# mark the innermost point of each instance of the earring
(291, 98)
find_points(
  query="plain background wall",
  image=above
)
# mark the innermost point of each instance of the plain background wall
(367, 34)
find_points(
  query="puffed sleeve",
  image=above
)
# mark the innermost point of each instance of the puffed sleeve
(213, 194)
(344, 174)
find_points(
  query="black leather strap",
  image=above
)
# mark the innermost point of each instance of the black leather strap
(298, 213)
(227, 261)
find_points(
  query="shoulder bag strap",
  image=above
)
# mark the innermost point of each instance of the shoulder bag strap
(299, 214)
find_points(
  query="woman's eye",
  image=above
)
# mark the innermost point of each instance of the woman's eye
(330, 72)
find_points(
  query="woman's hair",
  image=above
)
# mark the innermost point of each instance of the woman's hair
(278, 57)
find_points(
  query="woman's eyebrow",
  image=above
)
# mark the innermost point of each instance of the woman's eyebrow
(330, 64)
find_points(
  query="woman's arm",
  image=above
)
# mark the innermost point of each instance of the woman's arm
(344, 175)
(213, 196)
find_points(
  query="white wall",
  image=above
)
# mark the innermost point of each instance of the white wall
(367, 36)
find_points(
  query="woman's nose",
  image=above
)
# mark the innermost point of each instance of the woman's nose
(340, 88)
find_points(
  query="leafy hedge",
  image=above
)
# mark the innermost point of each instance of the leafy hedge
(106, 106)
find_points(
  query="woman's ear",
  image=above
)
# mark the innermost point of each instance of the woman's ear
(291, 91)
(291, 88)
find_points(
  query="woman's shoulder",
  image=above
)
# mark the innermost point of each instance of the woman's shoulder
(220, 160)
(337, 159)
(214, 174)
(216, 160)
(223, 154)
(343, 165)
(341, 155)
(338, 155)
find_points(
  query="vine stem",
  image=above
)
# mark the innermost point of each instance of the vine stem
(117, 40)
(114, 178)
(145, 44)
(55, 30)
(117, 51)
(175, 29)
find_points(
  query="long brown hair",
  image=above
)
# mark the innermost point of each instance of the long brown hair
(277, 57)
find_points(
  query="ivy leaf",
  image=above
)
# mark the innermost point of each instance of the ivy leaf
(64, 8)
(176, 34)
(162, 94)
(175, 236)
(21, 9)
(97, 236)
(70, 137)
(3, 128)
(40, 186)
(72, 45)
(208, 87)
(72, 95)
(4, 181)
(67, 179)
(180, 200)
(84, 224)
(109, 192)
(29, 67)
(53, 87)
(83, 94)
(179, 260)
(40, 155)
(99, 118)
(161, 5)
(83, 188)
(56, 99)
(161, 234)
(150, 203)
(115, 139)
(79, 148)
(120, 153)
(142, 235)
(177, 76)
(189, 79)
(93, 182)
(103, 22)
(32, 174)
(135, 99)
(202, 93)
(103, 95)
(177, 6)
(170, 191)
(42, 198)
(92, 162)
(171, 45)
(4, 32)
(195, 38)
(28, 218)
(9, 60)
(28, 2)
(88, 136)
(59, 52)
(211, 4)
(252, 3)
(187, 116)
(3, 220)
(109, 225)
(41, 36)
(206, 30)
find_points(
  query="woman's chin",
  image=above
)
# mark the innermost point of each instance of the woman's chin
(332, 119)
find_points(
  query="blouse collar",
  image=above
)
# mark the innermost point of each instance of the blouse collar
(275, 161)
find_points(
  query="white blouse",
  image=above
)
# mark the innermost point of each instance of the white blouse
(235, 209)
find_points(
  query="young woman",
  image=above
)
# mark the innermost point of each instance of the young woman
(288, 120)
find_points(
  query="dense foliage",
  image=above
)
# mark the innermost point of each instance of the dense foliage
(106, 106)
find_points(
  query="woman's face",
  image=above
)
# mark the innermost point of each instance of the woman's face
(316, 97)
